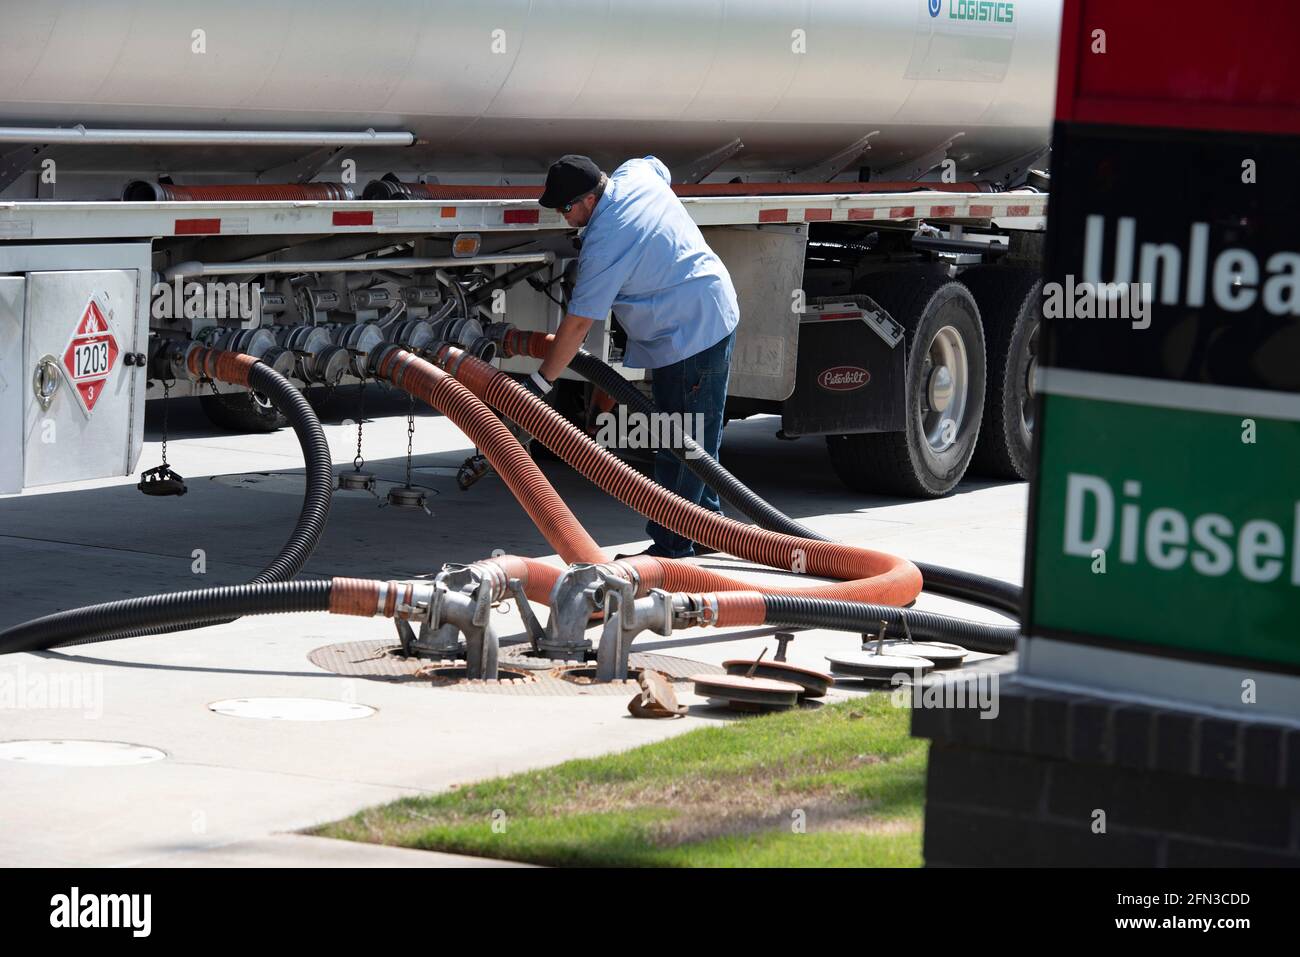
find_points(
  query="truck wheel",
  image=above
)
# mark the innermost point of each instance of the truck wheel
(1011, 303)
(242, 412)
(945, 391)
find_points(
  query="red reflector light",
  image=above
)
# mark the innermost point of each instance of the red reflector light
(192, 227)
(365, 218)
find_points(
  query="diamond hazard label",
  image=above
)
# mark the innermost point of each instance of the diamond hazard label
(91, 355)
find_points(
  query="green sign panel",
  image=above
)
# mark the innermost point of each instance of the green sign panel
(1170, 527)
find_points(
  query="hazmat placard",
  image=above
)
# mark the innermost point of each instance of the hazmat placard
(91, 354)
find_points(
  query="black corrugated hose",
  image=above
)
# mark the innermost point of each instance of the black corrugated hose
(119, 619)
(318, 473)
(798, 611)
(951, 582)
(158, 613)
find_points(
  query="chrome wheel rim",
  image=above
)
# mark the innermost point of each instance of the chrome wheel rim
(945, 389)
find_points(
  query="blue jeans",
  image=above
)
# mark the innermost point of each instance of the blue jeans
(696, 385)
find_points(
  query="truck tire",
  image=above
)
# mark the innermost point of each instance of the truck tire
(945, 390)
(241, 412)
(1011, 303)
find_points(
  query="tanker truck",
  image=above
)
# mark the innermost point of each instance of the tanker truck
(301, 181)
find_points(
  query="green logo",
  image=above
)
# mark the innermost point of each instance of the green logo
(982, 11)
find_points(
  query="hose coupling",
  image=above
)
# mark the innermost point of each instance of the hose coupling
(318, 358)
(692, 610)
(458, 602)
(625, 617)
(360, 339)
(585, 590)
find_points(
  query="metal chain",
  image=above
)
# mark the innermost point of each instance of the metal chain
(410, 437)
(361, 417)
(167, 388)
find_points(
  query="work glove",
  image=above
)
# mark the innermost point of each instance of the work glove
(538, 385)
(599, 404)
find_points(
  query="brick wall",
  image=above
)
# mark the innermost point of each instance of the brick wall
(1177, 788)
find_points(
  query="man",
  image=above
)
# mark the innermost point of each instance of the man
(645, 259)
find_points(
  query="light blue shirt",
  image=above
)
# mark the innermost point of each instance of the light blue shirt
(643, 257)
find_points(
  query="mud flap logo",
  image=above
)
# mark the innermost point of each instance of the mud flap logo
(843, 378)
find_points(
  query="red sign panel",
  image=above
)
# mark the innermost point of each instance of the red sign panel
(1196, 64)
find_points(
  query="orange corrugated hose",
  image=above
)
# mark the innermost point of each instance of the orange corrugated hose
(864, 575)
(515, 466)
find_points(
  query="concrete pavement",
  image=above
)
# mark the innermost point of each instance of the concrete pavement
(229, 790)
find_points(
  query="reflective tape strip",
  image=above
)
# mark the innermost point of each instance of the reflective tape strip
(196, 227)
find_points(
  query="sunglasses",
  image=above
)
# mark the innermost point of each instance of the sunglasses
(568, 207)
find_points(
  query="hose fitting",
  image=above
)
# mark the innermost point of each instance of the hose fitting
(462, 602)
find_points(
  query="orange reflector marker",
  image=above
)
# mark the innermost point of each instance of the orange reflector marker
(465, 244)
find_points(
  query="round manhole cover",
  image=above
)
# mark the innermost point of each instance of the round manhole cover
(879, 668)
(79, 754)
(291, 709)
(814, 683)
(744, 693)
(942, 654)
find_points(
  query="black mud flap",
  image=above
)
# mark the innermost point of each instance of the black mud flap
(851, 372)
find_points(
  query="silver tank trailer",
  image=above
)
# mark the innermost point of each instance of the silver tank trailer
(495, 89)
